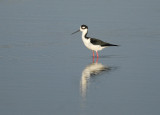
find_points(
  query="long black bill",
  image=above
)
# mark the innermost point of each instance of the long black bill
(75, 31)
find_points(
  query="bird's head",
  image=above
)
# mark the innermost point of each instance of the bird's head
(83, 28)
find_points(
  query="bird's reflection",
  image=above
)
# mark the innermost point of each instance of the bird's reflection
(90, 70)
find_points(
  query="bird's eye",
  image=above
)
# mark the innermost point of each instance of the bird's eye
(84, 27)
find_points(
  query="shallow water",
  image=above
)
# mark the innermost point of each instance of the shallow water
(45, 70)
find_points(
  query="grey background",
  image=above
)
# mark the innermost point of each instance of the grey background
(41, 64)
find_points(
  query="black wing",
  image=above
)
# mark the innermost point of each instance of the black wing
(100, 42)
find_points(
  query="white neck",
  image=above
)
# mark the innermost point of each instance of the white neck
(84, 33)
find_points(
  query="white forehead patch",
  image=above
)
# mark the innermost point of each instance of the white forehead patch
(83, 27)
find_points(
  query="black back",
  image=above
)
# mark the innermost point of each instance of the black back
(95, 41)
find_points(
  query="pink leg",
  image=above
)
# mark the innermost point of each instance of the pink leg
(97, 60)
(97, 54)
(93, 60)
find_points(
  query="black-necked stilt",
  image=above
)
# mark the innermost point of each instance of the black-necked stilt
(92, 43)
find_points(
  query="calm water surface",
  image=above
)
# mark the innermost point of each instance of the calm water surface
(46, 71)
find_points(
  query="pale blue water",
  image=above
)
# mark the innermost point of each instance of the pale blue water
(46, 71)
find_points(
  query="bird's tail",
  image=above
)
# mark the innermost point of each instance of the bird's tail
(108, 44)
(113, 45)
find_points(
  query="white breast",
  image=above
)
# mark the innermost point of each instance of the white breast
(90, 46)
